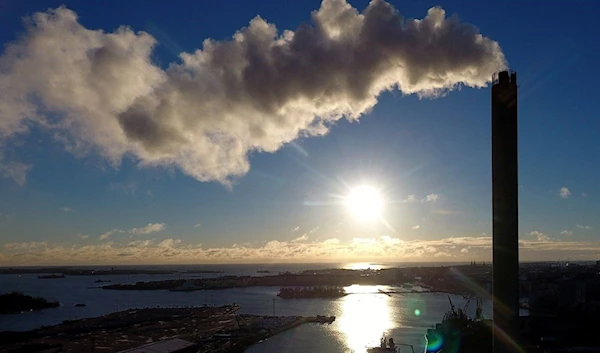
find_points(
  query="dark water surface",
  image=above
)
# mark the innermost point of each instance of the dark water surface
(362, 317)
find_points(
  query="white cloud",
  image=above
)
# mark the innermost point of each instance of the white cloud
(66, 209)
(369, 241)
(583, 227)
(464, 250)
(384, 248)
(539, 236)
(100, 92)
(296, 229)
(12, 170)
(32, 245)
(106, 235)
(148, 229)
(314, 230)
(583, 194)
(564, 192)
(301, 238)
(411, 198)
(415, 227)
(197, 225)
(567, 233)
(389, 240)
(441, 254)
(431, 198)
(84, 236)
(169, 243)
(141, 243)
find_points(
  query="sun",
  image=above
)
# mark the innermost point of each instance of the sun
(365, 203)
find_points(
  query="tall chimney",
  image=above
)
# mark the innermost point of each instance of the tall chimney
(505, 211)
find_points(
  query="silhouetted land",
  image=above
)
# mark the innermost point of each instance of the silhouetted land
(311, 292)
(52, 276)
(432, 279)
(90, 272)
(214, 329)
(16, 302)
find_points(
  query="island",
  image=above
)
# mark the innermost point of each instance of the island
(447, 279)
(311, 292)
(51, 276)
(16, 302)
(204, 271)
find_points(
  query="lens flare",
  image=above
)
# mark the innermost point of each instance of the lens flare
(435, 343)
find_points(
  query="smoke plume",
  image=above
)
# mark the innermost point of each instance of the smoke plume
(100, 92)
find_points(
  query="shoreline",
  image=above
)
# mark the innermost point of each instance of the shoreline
(213, 329)
(449, 280)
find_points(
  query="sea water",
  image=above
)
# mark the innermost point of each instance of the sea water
(361, 317)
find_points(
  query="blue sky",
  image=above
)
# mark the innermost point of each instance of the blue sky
(68, 200)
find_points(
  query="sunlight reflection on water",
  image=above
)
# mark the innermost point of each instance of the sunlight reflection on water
(365, 316)
(361, 318)
(363, 266)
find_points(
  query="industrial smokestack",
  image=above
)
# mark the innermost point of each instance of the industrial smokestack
(505, 211)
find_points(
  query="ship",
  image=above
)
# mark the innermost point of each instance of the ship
(388, 346)
(458, 332)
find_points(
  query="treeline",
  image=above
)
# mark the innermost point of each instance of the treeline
(16, 302)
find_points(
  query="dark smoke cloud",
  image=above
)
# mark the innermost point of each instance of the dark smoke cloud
(261, 89)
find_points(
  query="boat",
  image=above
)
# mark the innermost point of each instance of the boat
(80, 304)
(385, 346)
(325, 319)
(388, 346)
(50, 276)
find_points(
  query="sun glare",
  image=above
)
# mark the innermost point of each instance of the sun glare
(365, 203)
(365, 315)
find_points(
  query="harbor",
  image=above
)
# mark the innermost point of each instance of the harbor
(403, 316)
(209, 329)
